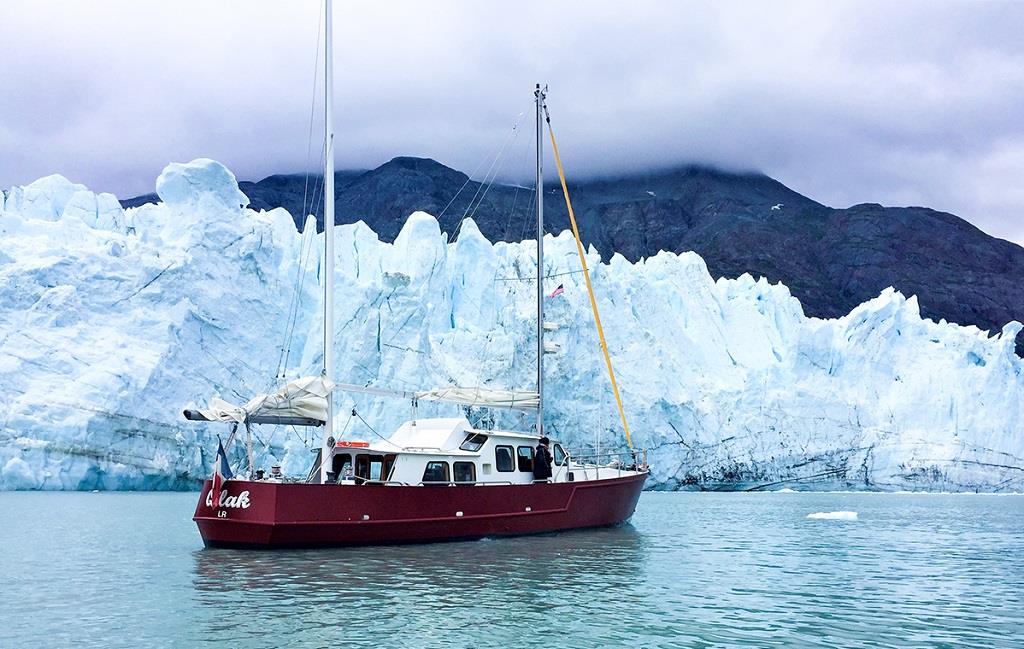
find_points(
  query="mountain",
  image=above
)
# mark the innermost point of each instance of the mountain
(831, 259)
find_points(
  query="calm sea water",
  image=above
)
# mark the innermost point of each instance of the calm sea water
(692, 570)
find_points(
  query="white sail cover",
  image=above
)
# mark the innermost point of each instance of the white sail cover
(483, 397)
(305, 397)
(514, 399)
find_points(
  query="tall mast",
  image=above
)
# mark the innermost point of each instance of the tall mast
(539, 96)
(328, 265)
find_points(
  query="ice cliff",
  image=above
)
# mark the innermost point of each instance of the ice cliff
(112, 321)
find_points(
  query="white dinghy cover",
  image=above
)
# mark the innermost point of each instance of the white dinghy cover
(303, 400)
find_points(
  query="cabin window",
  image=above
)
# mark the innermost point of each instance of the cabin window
(465, 472)
(473, 442)
(524, 458)
(376, 468)
(503, 459)
(436, 472)
(560, 456)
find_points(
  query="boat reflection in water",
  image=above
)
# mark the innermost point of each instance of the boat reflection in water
(493, 589)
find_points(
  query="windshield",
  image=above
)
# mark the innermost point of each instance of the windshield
(560, 455)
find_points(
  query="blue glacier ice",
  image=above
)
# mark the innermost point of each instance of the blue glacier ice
(112, 321)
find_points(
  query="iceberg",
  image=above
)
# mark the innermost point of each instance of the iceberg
(833, 516)
(113, 321)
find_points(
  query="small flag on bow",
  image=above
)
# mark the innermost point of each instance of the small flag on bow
(558, 291)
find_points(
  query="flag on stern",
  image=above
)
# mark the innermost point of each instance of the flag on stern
(221, 472)
(558, 291)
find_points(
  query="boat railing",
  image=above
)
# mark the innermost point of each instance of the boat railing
(619, 461)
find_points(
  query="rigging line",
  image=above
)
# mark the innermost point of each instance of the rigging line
(293, 309)
(305, 251)
(515, 199)
(511, 213)
(300, 272)
(469, 179)
(317, 188)
(492, 174)
(523, 162)
(255, 371)
(526, 221)
(312, 111)
(367, 424)
(482, 196)
(316, 469)
(306, 208)
(586, 277)
(514, 136)
(481, 186)
(230, 371)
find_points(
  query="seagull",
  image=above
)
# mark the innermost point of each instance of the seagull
(777, 206)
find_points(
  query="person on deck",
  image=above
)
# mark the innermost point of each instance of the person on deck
(542, 460)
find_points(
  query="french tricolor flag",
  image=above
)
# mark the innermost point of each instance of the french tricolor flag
(221, 473)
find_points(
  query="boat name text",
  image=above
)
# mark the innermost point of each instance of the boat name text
(241, 501)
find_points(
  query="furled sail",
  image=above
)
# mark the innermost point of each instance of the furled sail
(300, 402)
(483, 397)
(513, 399)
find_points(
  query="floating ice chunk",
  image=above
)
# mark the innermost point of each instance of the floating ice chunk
(833, 516)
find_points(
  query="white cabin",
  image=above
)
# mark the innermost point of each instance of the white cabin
(451, 452)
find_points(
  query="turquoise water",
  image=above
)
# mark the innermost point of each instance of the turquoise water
(692, 570)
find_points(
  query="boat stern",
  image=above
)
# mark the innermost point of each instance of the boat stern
(242, 514)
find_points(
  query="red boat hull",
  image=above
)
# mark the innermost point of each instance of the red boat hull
(268, 514)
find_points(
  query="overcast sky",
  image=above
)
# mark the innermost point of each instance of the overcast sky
(902, 103)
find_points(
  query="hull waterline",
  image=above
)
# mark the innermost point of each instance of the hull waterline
(253, 514)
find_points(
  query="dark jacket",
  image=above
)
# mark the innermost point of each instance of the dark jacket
(541, 463)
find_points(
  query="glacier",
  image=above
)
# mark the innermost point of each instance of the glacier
(112, 321)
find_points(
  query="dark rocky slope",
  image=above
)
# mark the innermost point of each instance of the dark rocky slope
(832, 259)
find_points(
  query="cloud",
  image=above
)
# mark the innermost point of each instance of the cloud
(899, 103)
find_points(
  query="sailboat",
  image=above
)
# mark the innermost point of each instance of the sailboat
(433, 479)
